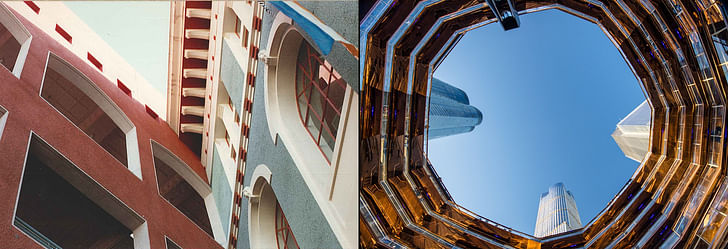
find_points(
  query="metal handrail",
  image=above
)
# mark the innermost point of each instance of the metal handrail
(35, 234)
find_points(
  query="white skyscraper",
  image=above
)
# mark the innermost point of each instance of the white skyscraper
(557, 212)
(633, 132)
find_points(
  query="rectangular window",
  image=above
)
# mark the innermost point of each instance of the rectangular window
(257, 21)
(245, 37)
(253, 52)
(237, 26)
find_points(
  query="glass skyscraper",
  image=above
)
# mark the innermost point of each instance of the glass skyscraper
(557, 212)
(633, 132)
(450, 111)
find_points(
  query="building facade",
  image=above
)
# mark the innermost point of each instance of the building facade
(212, 62)
(266, 93)
(304, 138)
(557, 212)
(450, 111)
(632, 134)
(87, 161)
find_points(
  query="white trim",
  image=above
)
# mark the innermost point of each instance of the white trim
(3, 120)
(343, 187)
(280, 22)
(22, 55)
(91, 90)
(228, 164)
(211, 89)
(261, 210)
(340, 134)
(16, 28)
(215, 222)
(261, 171)
(174, 65)
(141, 235)
(132, 153)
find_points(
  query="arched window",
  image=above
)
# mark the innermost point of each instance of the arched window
(268, 226)
(14, 42)
(284, 235)
(185, 190)
(88, 108)
(320, 94)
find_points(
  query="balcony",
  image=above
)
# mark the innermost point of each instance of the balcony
(226, 114)
(203, 34)
(196, 54)
(193, 110)
(199, 73)
(194, 92)
(192, 127)
(35, 234)
(228, 163)
(198, 13)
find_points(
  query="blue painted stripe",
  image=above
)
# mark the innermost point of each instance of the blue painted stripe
(324, 40)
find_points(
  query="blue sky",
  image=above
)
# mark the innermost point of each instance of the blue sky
(552, 92)
(138, 31)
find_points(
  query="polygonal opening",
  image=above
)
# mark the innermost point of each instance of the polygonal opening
(14, 42)
(9, 48)
(552, 93)
(84, 113)
(59, 206)
(174, 188)
(89, 109)
(673, 200)
(170, 244)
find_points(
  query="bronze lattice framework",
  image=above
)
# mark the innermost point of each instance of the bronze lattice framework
(678, 198)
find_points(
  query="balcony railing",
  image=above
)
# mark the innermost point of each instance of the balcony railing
(35, 234)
